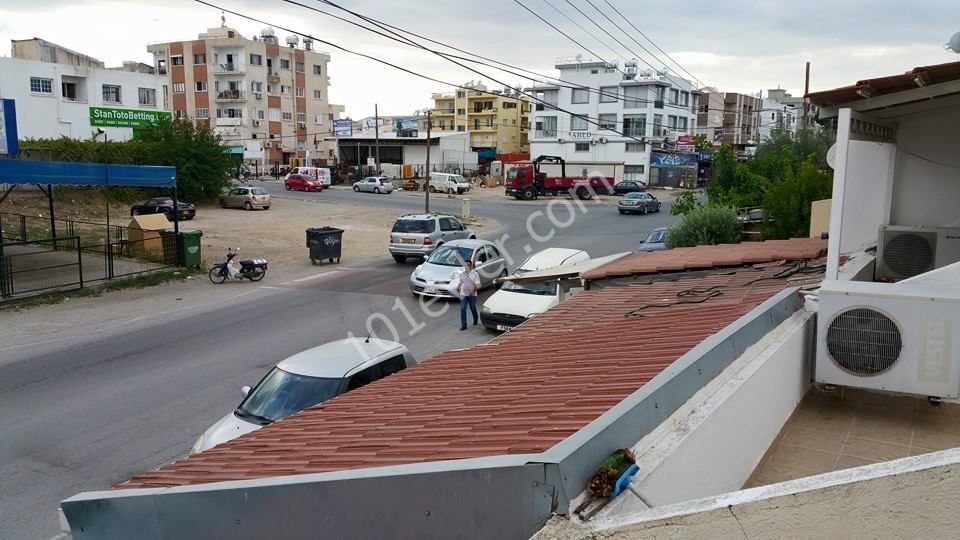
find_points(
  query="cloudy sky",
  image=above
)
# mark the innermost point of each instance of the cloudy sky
(742, 46)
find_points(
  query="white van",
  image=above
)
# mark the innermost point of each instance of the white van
(321, 174)
(448, 183)
(514, 303)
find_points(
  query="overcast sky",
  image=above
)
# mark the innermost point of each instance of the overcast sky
(741, 46)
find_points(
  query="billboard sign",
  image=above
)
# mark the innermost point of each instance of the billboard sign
(9, 142)
(660, 159)
(406, 127)
(343, 128)
(131, 118)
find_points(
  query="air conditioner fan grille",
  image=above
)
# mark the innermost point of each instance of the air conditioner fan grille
(909, 254)
(864, 341)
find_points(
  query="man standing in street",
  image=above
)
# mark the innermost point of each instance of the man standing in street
(469, 284)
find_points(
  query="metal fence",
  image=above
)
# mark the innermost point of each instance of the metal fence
(38, 251)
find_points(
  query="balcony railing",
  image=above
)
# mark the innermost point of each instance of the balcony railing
(494, 110)
(230, 121)
(545, 134)
(443, 111)
(231, 95)
(635, 131)
(228, 68)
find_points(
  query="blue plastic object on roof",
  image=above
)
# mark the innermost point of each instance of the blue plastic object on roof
(624, 480)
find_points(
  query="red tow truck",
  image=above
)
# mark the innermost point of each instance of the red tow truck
(525, 180)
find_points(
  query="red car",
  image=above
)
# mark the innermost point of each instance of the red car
(300, 182)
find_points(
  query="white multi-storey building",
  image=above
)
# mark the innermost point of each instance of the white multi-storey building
(601, 113)
(780, 111)
(75, 99)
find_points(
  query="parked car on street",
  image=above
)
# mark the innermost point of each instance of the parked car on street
(418, 235)
(638, 203)
(656, 240)
(436, 277)
(299, 182)
(622, 188)
(516, 302)
(246, 197)
(164, 205)
(448, 183)
(374, 184)
(307, 379)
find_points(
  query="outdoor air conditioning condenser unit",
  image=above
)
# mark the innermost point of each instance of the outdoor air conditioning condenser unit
(904, 252)
(891, 337)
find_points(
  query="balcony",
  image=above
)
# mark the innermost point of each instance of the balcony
(228, 69)
(442, 95)
(231, 95)
(273, 76)
(484, 127)
(484, 111)
(437, 112)
(545, 134)
(228, 121)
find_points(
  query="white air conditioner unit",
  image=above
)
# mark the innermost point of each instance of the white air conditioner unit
(603, 140)
(593, 142)
(256, 123)
(258, 95)
(904, 252)
(891, 337)
(268, 144)
(561, 140)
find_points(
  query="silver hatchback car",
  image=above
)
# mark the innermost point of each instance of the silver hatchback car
(437, 275)
(374, 184)
(246, 197)
(417, 235)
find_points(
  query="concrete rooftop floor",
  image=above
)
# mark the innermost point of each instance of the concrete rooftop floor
(849, 428)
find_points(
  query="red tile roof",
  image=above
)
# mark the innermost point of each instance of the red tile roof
(915, 78)
(708, 257)
(523, 392)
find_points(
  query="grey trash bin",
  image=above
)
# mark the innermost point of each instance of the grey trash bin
(325, 243)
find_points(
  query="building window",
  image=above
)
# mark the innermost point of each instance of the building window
(672, 122)
(461, 128)
(635, 125)
(580, 95)
(300, 91)
(284, 64)
(632, 97)
(318, 119)
(179, 88)
(607, 121)
(302, 117)
(684, 98)
(179, 113)
(201, 86)
(274, 115)
(509, 105)
(682, 123)
(609, 94)
(203, 114)
(317, 69)
(581, 147)
(111, 93)
(658, 130)
(633, 172)
(69, 91)
(635, 147)
(674, 96)
(300, 67)
(461, 94)
(547, 126)
(199, 59)
(284, 90)
(41, 86)
(461, 112)
(147, 96)
(256, 60)
(318, 94)
(176, 60)
(256, 87)
(287, 116)
(550, 98)
(578, 123)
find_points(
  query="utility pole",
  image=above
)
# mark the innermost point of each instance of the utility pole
(376, 121)
(806, 90)
(426, 184)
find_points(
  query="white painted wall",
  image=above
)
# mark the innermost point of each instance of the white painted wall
(927, 193)
(43, 116)
(713, 444)
(451, 149)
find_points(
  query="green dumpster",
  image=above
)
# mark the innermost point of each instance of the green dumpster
(188, 247)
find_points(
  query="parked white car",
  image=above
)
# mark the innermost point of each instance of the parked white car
(514, 303)
(317, 174)
(307, 379)
(448, 183)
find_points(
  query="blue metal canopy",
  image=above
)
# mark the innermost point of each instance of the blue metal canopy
(65, 173)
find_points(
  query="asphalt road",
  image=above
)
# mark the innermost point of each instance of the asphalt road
(82, 412)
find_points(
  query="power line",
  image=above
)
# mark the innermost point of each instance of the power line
(617, 11)
(584, 29)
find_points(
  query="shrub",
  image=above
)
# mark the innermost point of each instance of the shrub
(787, 203)
(684, 204)
(706, 225)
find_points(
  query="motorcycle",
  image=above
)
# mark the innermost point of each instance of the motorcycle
(252, 269)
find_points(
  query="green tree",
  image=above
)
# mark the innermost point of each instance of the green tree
(787, 203)
(685, 203)
(706, 225)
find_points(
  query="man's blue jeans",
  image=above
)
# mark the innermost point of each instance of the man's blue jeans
(464, 302)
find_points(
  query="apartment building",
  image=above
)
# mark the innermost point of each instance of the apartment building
(602, 113)
(267, 101)
(63, 93)
(497, 121)
(780, 112)
(730, 118)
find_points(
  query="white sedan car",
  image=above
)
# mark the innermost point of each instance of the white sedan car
(307, 379)
(374, 184)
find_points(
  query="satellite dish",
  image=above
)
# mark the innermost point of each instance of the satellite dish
(832, 156)
(953, 44)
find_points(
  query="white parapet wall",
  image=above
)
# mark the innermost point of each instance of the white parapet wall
(909, 498)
